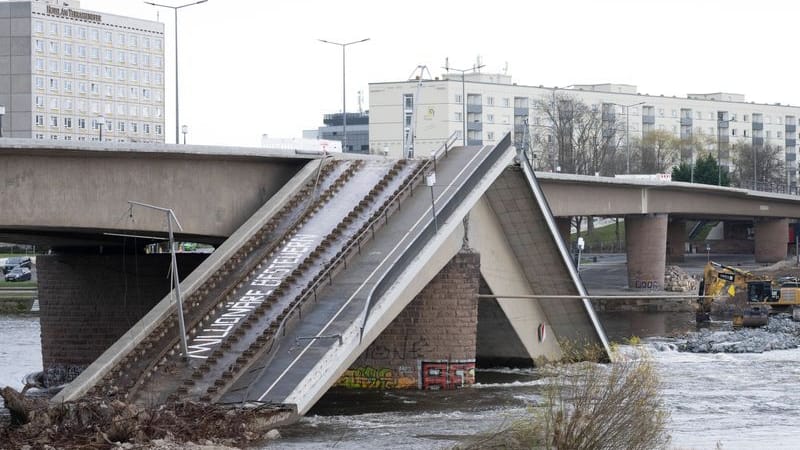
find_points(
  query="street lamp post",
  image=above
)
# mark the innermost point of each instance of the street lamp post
(184, 130)
(344, 92)
(463, 99)
(2, 113)
(101, 122)
(175, 12)
(628, 134)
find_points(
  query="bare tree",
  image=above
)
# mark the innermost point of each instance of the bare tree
(657, 151)
(575, 137)
(769, 167)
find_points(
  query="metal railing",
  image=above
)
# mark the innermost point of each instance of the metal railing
(413, 249)
(771, 187)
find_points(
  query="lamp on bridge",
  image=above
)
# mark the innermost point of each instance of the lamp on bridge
(184, 130)
(2, 113)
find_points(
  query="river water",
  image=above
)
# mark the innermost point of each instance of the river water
(741, 401)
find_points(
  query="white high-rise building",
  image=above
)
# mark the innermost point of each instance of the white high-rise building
(488, 106)
(71, 74)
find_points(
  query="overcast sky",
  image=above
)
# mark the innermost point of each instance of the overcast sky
(249, 67)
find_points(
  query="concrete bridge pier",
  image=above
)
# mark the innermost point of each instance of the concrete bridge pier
(676, 240)
(771, 237)
(88, 301)
(646, 247)
(564, 225)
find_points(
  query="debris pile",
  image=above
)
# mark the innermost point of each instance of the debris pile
(677, 280)
(781, 333)
(105, 424)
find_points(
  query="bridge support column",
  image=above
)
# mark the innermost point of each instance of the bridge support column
(771, 237)
(87, 302)
(431, 343)
(646, 246)
(676, 240)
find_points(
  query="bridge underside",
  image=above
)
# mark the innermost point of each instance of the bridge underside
(285, 307)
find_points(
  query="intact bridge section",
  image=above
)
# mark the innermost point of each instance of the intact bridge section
(359, 274)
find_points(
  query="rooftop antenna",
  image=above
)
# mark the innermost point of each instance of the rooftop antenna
(447, 64)
(360, 99)
(478, 64)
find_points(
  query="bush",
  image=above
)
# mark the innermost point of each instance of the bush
(593, 406)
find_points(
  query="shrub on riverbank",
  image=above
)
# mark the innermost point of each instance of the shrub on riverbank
(592, 406)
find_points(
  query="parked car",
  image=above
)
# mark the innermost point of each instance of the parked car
(14, 261)
(19, 274)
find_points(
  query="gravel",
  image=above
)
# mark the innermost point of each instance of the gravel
(781, 333)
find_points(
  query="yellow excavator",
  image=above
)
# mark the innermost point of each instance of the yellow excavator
(753, 297)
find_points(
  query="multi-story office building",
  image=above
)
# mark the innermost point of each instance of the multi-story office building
(357, 131)
(490, 105)
(71, 74)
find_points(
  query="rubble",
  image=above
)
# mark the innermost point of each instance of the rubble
(780, 334)
(100, 423)
(677, 280)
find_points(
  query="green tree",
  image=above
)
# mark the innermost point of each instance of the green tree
(706, 171)
(769, 167)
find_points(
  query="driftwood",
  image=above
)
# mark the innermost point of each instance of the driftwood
(18, 404)
(102, 423)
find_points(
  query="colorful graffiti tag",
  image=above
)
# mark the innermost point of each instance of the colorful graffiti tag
(442, 375)
(374, 378)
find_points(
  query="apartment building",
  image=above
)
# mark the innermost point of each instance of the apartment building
(486, 106)
(74, 75)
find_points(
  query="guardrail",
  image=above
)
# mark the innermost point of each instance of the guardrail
(413, 249)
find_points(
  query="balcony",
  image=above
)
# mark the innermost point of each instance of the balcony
(474, 108)
(686, 121)
(791, 128)
(609, 117)
(791, 142)
(723, 139)
(521, 111)
(474, 141)
(648, 120)
(791, 157)
(758, 141)
(474, 126)
(758, 126)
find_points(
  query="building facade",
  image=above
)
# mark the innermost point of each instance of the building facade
(357, 131)
(486, 106)
(71, 74)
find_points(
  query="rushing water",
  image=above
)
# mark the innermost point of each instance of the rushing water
(741, 401)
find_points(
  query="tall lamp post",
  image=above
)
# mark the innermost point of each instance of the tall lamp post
(344, 92)
(628, 133)
(463, 99)
(2, 113)
(175, 11)
(101, 122)
(184, 130)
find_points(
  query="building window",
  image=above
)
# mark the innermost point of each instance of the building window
(39, 136)
(733, 131)
(81, 51)
(107, 37)
(133, 59)
(54, 137)
(81, 123)
(94, 88)
(38, 120)
(121, 109)
(67, 104)
(661, 112)
(82, 33)
(54, 103)
(699, 115)
(132, 40)
(674, 113)
(38, 44)
(506, 103)
(744, 133)
(769, 133)
(67, 122)
(146, 128)
(67, 67)
(780, 134)
(120, 38)
(108, 55)
(459, 98)
(53, 82)
(157, 61)
(38, 26)
(54, 121)
(490, 101)
(120, 74)
(121, 126)
(39, 82)
(733, 117)
(39, 101)
(121, 57)
(490, 135)
(52, 28)
(52, 65)
(53, 46)
(158, 129)
(39, 64)
(109, 90)
(67, 30)
(745, 117)
(490, 118)
(68, 49)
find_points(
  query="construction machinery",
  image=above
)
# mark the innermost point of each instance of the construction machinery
(753, 297)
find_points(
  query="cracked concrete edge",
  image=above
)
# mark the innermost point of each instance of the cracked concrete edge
(114, 354)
